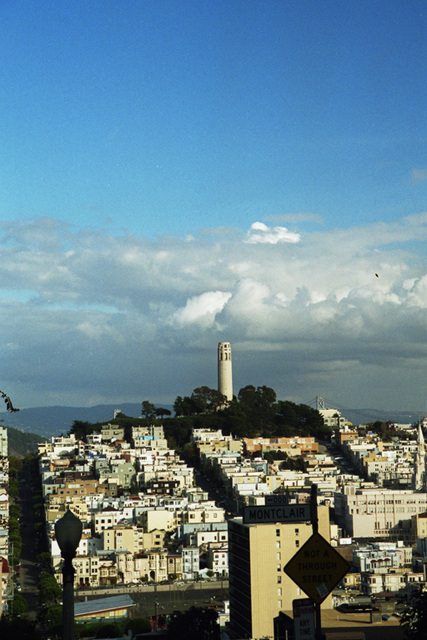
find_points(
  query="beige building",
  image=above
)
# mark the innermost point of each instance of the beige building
(158, 565)
(294, 446)
(131, 568)
(91, 571)
(151, 437)
(4, 506)
(3, 442)
(374, 512)
(419, 524)
(199, 514)
(158, 519)
(132, 539)
(55, 508)
(174, 566)
(259, 588)
(110, 431)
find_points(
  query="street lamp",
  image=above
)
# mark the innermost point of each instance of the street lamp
(68, 531)
(153, 576)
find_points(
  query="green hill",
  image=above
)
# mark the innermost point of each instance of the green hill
(22, 444)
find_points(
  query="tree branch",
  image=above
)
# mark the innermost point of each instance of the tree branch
(8, 402)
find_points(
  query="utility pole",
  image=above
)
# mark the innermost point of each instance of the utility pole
(315, 525)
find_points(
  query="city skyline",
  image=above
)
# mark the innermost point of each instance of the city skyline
(177, 175)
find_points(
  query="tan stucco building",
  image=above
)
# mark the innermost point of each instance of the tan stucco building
(259, 588)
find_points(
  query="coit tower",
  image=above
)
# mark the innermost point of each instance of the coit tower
(225, 376)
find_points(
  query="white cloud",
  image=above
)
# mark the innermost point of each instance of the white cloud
(417, 218)
(259, 233)
(201, 309)
(418, 175)
(122, 318)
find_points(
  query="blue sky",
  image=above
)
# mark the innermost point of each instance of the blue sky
(169, 116)
(172, 127)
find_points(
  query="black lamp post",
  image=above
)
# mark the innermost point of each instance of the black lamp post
(68, 531)
(156, 604)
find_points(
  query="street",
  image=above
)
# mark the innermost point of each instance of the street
(169, 597)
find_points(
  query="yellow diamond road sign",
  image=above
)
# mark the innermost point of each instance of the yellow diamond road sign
(317, 568)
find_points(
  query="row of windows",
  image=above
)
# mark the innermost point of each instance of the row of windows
(296, 531)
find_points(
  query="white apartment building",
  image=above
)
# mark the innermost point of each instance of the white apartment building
(333, 418)
(3, 442)
(218, 559)
(106, 519)
(374, 512)
(372, 583)
(190, 562)
(207, 537)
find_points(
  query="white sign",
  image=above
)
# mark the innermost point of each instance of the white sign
(304, 626)
(274, 499)
(282, 513)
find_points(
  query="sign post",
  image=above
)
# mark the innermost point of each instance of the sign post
(303, 611)
(315, 525)
(317, 567)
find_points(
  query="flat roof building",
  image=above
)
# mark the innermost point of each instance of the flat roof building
(259, 588)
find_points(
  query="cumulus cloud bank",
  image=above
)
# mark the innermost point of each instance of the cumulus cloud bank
(202, 309)
(87, 317)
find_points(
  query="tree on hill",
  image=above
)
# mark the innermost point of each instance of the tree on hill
(82, 429)
(299, 419)
(255, 411)
(202, 400)
(182, 406)
(161, 413)
(207, 400)
(148, 410)
(252, 413)
(382, 429)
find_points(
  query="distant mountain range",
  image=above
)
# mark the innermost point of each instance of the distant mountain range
(53, 421)
(363, 416)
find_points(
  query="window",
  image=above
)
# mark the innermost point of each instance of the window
(277, 532)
